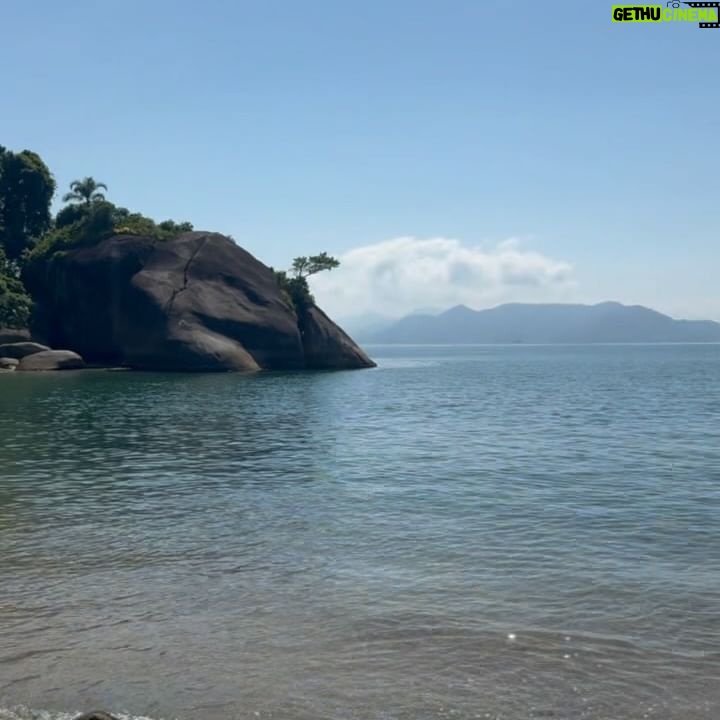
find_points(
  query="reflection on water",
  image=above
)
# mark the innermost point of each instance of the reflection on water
(463, 532)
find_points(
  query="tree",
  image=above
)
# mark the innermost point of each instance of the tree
(85, 191)
(303, 266)
(296, 288)
(26, 190)
(15, 303)
(71, 214)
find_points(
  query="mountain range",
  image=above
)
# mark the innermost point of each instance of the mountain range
(607, 322)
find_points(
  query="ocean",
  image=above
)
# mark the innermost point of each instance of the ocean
(502, 533)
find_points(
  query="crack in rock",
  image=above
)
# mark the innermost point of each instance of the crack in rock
(178, 291)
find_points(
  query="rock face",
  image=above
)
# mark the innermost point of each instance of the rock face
(327, 346)
(199, 302)
(11, 335)
(19, 350)
(51, 360)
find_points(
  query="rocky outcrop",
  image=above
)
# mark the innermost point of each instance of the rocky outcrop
(19, 350)
(7, 363)
(199, 302)
(13, 335)
(51, 360)
(326, 345)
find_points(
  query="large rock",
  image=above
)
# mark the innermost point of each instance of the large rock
(7, 363)
(19, 350)
(13, 335)
(326, 345)
(199, 302)
(51, 360)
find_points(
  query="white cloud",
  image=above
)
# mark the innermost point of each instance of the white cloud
(398, 276)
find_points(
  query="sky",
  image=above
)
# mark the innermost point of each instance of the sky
(446, 151)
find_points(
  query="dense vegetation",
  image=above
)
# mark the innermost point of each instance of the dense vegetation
(15, 303)
(30, 235)
(26, 189)
(83, 225)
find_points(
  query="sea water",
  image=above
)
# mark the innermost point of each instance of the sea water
(476, 532)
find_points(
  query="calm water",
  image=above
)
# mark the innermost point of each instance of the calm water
(510, 533)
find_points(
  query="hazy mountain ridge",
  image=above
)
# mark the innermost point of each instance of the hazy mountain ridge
(606, 322)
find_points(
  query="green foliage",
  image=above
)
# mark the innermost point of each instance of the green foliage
(15, 303)
(295, 290)
(127, 223)
(26, 190)
(70, 214)
(169, 229)
(92, 226)
(85, 191)
(295, 287)
(303, 266)
(84, 225)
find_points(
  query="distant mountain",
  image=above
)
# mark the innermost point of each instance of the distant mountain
(608, 322)
(365, 325)
(369, 324)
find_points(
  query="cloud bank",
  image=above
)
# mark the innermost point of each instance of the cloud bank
(398, 276)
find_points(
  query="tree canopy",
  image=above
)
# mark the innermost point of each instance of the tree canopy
(85, 191)
(296, 288)
(26, 190)
(83, 225)
(303, 266)
(15, 303)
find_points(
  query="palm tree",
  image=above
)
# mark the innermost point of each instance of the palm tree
(85, 191)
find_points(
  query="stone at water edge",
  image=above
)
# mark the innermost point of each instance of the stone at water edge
(7, 363)
(19, 350)
(51, 360)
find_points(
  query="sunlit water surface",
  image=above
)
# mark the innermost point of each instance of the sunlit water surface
(511, 533)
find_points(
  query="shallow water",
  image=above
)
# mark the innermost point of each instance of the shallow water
(476, 532)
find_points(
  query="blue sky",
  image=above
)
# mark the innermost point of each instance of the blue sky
(521, 151)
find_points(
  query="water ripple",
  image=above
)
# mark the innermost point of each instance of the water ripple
(461, 533)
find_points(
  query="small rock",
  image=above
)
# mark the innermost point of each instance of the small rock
(19, 350)
(8, 363)
(52, 360)
(97, 715)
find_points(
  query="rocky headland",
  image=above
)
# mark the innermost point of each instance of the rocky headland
(198, 302)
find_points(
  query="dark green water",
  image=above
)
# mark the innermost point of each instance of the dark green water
(507, 532)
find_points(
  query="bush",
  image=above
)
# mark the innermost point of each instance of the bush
(15, 303)
(295, 290)
(85, 225)
(70, 214)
